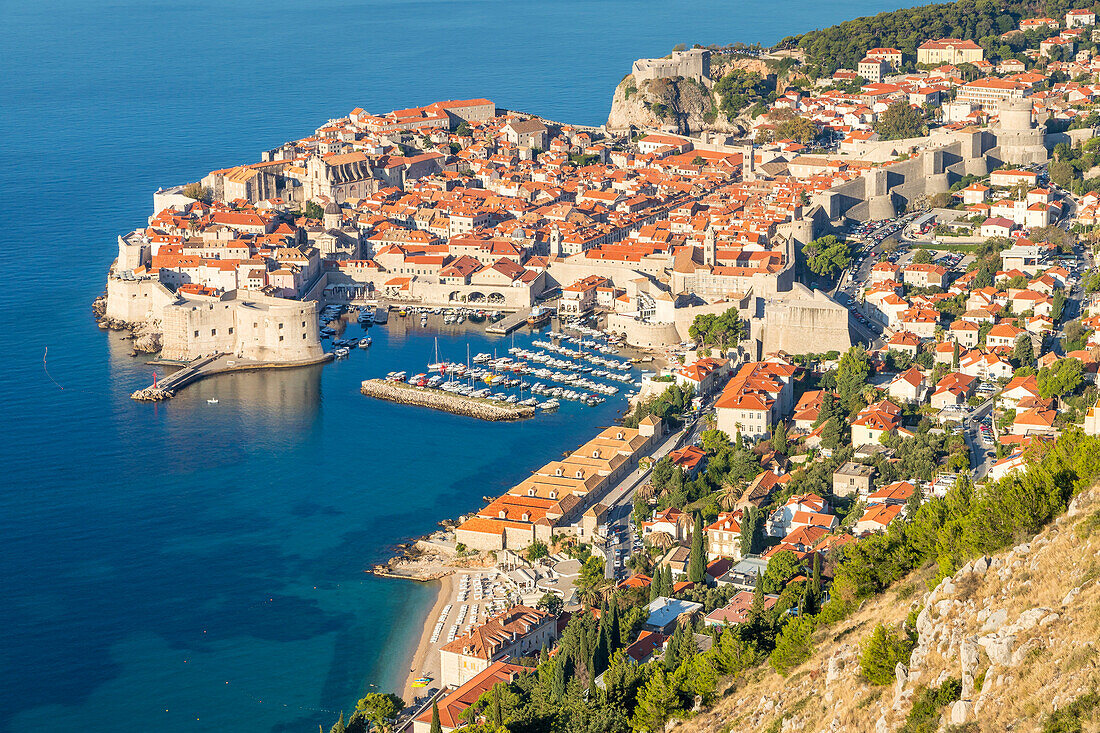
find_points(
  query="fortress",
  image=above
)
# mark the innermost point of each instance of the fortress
(691, 64)
(194, 323)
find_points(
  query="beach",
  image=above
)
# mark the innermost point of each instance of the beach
(425, 659)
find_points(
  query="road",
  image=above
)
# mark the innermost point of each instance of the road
(980, 459)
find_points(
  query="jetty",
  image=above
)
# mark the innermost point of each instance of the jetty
(457, 404)
(207, 366)
(509, 323)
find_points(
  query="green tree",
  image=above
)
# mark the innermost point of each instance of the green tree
(851, 376)
(827, 255)
(781, 568)
(748, 528)
(338, 726)
(1023, 353)
(955, 354)
(899, 121)
(697, 563)
(779, 439)
(550, 603)
(881, 653)
(657, 700)
(721, 330)
(713, 441)
(799, 129)
(1060, 378)
(436, 726)
(794, 645)
(380, 708)
(313, 210)
(667, 585)
(922, 257)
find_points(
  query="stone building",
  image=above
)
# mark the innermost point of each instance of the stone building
(248, 325)
(518, 632)
(691, 64)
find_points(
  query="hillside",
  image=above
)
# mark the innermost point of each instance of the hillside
(1018, 630)
(684, 104)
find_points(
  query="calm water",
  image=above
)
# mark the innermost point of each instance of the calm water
(199, 567)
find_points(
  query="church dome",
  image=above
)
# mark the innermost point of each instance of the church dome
(332, 208)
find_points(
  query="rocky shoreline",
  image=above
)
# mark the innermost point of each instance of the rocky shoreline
(146, 339)
(456, 404)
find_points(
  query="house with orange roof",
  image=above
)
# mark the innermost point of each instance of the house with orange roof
(1004, 334)
(908, 386)
(1035, 421)
(874, 421)
(953, 389)
(520, 631)
(904, 341)
(897, 493)
(810, 508)
(454, 703)
(737, 610)
(724, 536)
(1018, 389)
(877, 518)
(704, 375)
(925, 275)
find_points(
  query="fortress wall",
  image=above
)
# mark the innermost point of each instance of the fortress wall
(640, 333)
(803, 322)
(564, 272)
(136, 301)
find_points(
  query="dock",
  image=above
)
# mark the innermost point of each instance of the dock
(407, 394)
(207, 366)
(509, 323)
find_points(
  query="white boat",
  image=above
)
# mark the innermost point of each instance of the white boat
(340, 353)
(213, 400)
(364, 343)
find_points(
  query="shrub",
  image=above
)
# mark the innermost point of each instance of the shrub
(881, 653)
(925, 715)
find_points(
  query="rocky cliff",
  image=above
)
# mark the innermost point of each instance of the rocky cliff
(686, 105)
(1009, 642)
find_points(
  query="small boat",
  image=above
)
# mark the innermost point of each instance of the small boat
(364, 343)
(213, 400)
(539, 317)
(422, 682)
(341, 353)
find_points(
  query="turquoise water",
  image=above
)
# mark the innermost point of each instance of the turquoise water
(200, 567)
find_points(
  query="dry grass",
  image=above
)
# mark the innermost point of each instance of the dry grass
(1064, 664)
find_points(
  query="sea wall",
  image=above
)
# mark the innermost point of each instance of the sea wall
(407, 394)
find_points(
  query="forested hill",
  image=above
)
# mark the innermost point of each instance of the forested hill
(843, 45)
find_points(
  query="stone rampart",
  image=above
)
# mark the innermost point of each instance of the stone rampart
(407, 394)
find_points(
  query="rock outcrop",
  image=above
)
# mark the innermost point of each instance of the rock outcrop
(1018, 631)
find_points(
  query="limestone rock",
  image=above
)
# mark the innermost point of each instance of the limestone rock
(981, 565)
(995, 621)
(960, 712)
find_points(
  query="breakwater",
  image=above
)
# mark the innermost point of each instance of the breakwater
(407, 394)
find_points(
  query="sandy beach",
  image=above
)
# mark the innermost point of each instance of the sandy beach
(425, 660)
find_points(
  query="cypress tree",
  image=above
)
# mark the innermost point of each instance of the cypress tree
(498, 715)
(543, 656)
(613, 628)
(955, 355)
(748, 523)
(666, 581)
(697, 564)
(602, 653)
(655, 585)
(817, 577)
(557, 681)
(436, 726)
(671, 659)
(338, 726)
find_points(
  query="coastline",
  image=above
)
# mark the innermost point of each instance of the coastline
(419, 659)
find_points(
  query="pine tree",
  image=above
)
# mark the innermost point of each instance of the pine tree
(697, 565)
(436, 726)
(655, 702)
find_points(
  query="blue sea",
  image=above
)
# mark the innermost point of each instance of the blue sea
(188, 566)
